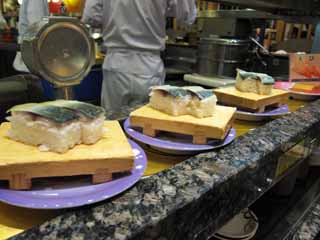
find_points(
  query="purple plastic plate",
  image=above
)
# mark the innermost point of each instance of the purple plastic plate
(77, 191)
(269, 113)
(255, 117)
(176, 142)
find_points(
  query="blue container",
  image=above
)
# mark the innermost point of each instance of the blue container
(88, 90)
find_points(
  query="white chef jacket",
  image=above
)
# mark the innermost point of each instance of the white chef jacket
(134, 33)
(137, 23)
(31, 11)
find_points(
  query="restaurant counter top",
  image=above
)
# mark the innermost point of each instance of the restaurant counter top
(183, 198)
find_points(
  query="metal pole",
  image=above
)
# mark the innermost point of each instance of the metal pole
(65, 93)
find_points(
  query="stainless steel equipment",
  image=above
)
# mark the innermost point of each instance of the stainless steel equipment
(213, 68)
(59, 50)
(223, 49)
(180, 59)
(284, 7)
(219, 57)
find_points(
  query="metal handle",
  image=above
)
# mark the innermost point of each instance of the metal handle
(65, 93)
(259, 45)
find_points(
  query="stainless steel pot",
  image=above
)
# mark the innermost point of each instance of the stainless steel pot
(218, 57)
(59, 50)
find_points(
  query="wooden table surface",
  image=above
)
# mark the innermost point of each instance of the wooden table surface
(14, 220)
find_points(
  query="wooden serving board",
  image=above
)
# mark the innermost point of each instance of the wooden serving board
(201, 129)
(252, 101)
(19, 163)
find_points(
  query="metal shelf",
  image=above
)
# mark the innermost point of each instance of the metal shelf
(280, 7)
(254, 14)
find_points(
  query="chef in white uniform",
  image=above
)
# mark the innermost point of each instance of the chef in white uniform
(134, 33)
(31, 11)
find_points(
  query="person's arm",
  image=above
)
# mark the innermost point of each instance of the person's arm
(92, 14)
(36, 10)
(185, 11)
(31, 11)
(3, 22)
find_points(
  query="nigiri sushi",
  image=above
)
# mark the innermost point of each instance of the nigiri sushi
(56, 126)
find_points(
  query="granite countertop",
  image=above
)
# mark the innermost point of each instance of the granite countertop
(194, 198)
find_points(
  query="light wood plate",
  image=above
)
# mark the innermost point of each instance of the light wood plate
(201, 129)
(19, 163)
(255, 102)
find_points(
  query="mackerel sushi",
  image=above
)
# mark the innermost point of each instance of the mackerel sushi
(56, 126)
(203, 102)
(170, 100)
(177, 101)
(91, 119)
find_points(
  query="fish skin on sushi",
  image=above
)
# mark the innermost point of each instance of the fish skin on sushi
(178, 101)
(251, 82)
(56, 126)
(91, 119)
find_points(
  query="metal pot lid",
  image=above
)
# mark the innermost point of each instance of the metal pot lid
(62, 51)
(224, 41)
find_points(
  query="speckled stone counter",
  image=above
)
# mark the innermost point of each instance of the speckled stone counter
(194, 198)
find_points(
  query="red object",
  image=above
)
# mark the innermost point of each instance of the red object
(54, 7)
(315, 71)
(306, 72)
(7, 36)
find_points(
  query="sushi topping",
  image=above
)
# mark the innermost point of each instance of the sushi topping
(180, 92)
(203, 94)
(264, 78)
(88, 110)
(176, 92)
(200, 92)
(60, 111)
(56, 114)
